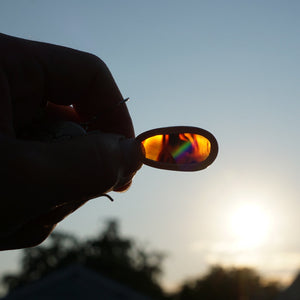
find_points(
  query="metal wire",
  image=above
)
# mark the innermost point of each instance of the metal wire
(107, 196)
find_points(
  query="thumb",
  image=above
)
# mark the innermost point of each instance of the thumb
(123, 158)
(93, 164)
(77, 166)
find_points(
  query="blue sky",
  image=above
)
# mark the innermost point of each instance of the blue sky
(231, 67)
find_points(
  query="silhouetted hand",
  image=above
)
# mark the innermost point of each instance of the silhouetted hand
(44, 179)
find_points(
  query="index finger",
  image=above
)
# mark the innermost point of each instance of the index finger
(83, 80)
(77, 78)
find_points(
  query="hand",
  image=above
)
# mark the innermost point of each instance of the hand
(43, 182)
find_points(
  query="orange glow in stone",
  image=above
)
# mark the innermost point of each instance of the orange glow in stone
(183, 148)
(153, 146)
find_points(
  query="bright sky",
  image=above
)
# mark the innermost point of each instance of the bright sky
(231, 67)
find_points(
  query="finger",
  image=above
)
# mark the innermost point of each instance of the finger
(23, 76)
(83, 80)
(6, 123)
(124, 187)
(29, 235)
(57, 214)
(132, 161)
(40, 73)
(87, 166)
(130, 150)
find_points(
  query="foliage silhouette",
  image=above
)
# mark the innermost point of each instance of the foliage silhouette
(109, 253)
(228, 284)
(120, 259)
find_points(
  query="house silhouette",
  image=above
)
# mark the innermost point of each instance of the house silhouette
(77, 283)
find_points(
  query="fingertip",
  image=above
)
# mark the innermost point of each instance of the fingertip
(131, 163)
(123, 188)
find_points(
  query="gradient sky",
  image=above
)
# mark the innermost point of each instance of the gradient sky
(231, 67)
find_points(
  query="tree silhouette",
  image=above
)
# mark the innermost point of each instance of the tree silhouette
(122, 260)
(228, 284)
(109, 253)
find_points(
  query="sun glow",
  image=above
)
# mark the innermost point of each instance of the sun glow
(250, 225)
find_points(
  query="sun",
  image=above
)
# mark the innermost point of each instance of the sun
(249, 225)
